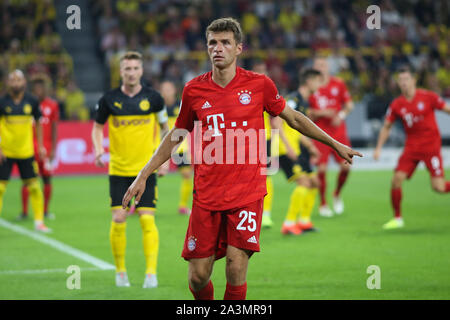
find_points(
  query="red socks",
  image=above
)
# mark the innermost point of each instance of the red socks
(447, 186)
(47, 194)
(207, 293)
(343, 174)
(25, 194)
(235, 292)
(322, 187)
(396, 198)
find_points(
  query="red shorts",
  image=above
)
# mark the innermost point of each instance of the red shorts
(408, 162)
(210, 232)
(325, 150)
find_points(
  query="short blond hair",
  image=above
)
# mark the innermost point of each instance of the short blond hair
(131, 55)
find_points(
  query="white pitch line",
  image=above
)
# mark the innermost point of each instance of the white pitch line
(103, 265)
(9, 272)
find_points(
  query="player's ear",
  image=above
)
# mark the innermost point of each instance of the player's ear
(239, 48)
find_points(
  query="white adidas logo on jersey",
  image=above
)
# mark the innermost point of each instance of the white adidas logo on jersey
(206, 105)
(252, 239)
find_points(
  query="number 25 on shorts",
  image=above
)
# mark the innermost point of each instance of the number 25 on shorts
(249, 217)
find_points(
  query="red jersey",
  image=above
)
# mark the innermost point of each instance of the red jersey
(331, 96)
(419, 121)
(50, 114)
(222, 113)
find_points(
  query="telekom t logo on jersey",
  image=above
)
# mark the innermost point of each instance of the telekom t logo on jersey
(215, 123)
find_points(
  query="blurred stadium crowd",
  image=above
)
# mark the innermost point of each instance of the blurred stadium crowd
(284, 34)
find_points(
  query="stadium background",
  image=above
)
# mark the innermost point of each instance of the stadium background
(82, 64)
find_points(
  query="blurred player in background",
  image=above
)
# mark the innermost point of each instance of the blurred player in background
(260, 67)
(415, 108)
(49, 123)
(18, 109)
(330, 105)
(169, 93)
(228, 197)
(295, 158)
(133, 111)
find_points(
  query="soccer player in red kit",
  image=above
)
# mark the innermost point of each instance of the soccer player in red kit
(415, 108)
(49, 120)
(329, 107)
(228, 195)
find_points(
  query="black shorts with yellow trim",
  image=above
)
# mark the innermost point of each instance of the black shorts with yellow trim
(295, 169)
(118, 186)
(28, 168)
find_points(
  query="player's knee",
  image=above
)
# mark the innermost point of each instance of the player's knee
(33, 185)
(199, 277)
(119, 216)
(397, 181)
(438, 188)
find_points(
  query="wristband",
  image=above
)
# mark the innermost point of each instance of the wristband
(342, 114)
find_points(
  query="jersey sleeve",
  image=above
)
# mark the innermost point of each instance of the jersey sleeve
(186, 117)
(36, 111)
(160, 108)
(102, 111)
(436, 101)
(391, 115)
(274, 103)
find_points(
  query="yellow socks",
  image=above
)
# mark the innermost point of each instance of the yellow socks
(37, 200)
(267, 207)
(295, 206)
(150, 241)
(118, 239)
(308, 205)
(2, 192)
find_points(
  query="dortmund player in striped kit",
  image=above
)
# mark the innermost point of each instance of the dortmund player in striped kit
(134, 112)
(18, 111)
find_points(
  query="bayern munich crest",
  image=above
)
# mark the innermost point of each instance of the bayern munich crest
(245, 97)
(192, 243)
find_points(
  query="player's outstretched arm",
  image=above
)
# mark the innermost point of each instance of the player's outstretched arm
(305, 126)
(161, 155)
(382, 138)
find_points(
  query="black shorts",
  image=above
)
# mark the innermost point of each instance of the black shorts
(294, 169)
(118, 186)
(28, 168)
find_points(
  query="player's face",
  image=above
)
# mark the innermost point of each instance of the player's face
(16, 82)
(406, 81)
(168, 89)
(314, 83)
(222, 49)
(131, 72)
(321, 65)
(39, 91)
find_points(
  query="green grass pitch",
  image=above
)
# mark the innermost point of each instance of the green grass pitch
(330, 264)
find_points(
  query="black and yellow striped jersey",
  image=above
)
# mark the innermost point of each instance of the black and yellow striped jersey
(133, 128)
(295, 101)
(16, 126)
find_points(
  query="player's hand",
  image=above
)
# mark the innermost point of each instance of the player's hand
(376, 154)
(291, 154)
(336, 122)
(42, 153)
(98, 160)
(315, 155)
(136, 190)
(164, 169)
(347, 153)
